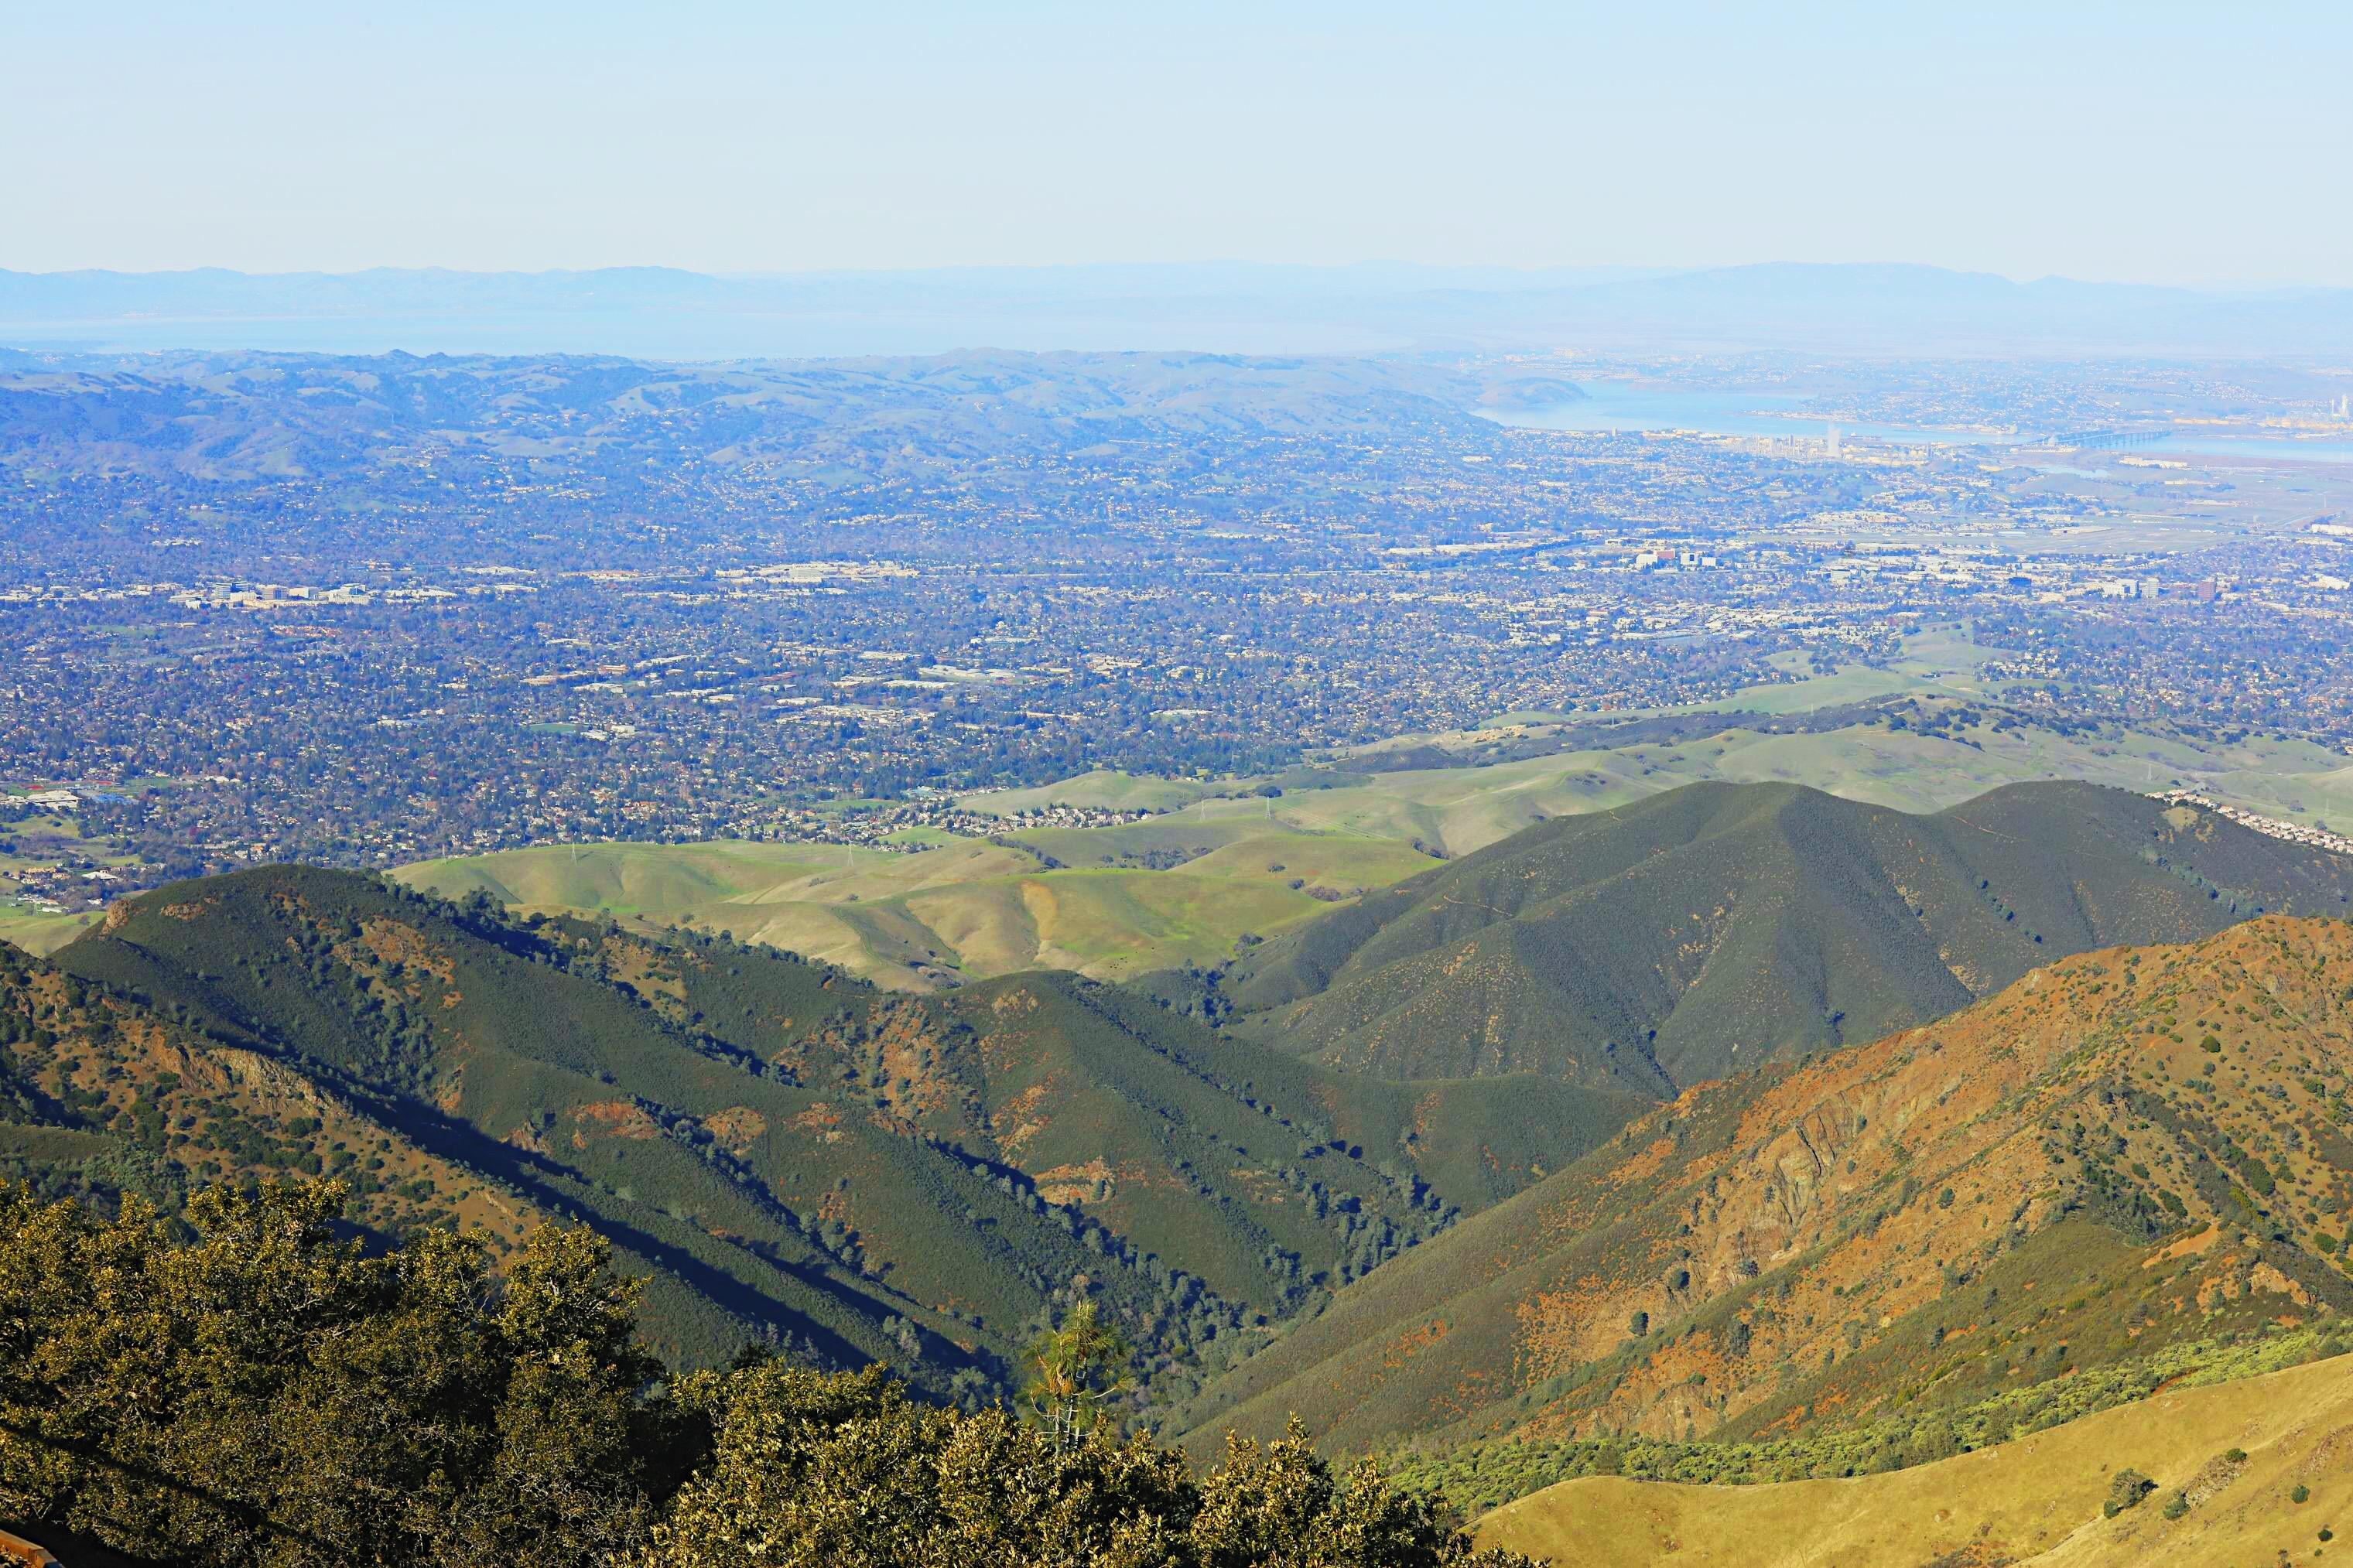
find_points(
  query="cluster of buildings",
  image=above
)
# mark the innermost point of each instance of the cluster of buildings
(549, 651)
(2270, 826)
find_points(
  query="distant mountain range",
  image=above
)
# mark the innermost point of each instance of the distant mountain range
(248, 414)
(665, 313)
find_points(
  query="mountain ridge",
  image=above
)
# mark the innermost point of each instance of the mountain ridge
(2122, 1149)
(784, 1152)
(665, 312)
(246, 415)
(1715, 926)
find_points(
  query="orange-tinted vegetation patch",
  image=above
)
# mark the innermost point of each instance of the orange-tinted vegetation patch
(391, 941)
(1021, 1118)
(1413, 1342)
(614, 1118)
(918, 1067)
(2191, 1246)
(820, 1119)
(736, 1128)
(1076, 1183)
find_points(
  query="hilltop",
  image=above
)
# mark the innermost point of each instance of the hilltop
(1716, 927)
(2120, 1150)
(784, 1152)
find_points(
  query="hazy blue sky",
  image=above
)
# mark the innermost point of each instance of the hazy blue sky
(2152, 142)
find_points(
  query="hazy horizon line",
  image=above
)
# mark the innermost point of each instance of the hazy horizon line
(1590, 273)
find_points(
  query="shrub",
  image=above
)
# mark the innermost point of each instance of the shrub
(813, 1469)
(2175, 1506)
(2300, 1493)
(2129, 1489)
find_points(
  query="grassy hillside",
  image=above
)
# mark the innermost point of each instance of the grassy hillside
(538, 1084)
(1495, 784)
(1637, 948)
(38, 933)
(784, 1152)
(1107, 902)
(1930, 730)
(2245, 1472)
(2122, 1150)
(658, 879)
(1476, 1477)
(1696, 932)
(1103, 789)
(99, 1093)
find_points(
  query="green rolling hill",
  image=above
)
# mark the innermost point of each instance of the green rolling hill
(781, 1150)
(1935, 727)
(1108, 903)
(1215, 865)
(1454, 1226)
(1717, 927)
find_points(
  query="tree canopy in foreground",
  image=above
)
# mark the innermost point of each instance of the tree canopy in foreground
(250, 1387)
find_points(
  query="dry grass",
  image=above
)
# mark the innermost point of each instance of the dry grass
(2037, 1500)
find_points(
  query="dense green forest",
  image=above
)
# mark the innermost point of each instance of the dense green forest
(247, 1387)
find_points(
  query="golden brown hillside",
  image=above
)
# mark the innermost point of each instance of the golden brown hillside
(2037, 1499)
(2125, 1150)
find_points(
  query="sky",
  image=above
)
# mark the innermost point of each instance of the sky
(2154, 143)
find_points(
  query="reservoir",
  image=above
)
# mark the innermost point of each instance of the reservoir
(1615, 406)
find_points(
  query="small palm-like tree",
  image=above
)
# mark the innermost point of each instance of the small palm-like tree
(1075, 1370)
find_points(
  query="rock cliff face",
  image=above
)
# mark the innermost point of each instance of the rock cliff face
(2124, 1149)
